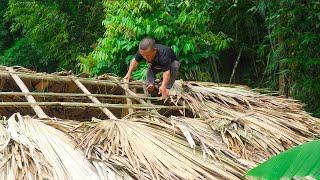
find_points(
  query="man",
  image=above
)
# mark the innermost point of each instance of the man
(160, 58)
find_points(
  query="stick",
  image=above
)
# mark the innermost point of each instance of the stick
(129, 102)
(146, 93)
(66, 79)
(40, 113)
(94, 99)
(74, 95)
(88, 105)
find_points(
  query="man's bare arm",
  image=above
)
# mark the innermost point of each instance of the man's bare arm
(163, 88)
(166, 78)
(133, 66)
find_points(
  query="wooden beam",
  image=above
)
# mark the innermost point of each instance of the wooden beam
(140, 99)
(128, 100)
(40, 113)
(146, 93)
(131, 93)
(66, 79)
(94, 99)
(86, 105)
(43, 94)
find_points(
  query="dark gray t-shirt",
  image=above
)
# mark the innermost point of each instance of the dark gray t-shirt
(162, 60)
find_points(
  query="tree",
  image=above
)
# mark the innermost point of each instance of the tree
(5, 38)
(59, 31)
(183, 25)
(292, 49)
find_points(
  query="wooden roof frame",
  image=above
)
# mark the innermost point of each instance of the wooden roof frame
(129, 100)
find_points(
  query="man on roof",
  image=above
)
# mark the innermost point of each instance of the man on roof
(160, 58)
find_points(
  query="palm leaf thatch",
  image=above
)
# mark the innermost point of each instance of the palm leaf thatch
(253, 125)
(214, 131)
(34, 150)
(148, 151)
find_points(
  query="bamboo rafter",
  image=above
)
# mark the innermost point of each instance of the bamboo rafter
(44, 88)
(94, 99)
(48, 94)
(31, 100)
(89, 105)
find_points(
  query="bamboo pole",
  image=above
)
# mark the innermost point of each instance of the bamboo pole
(75, 95)
(40, 113)
(66, 79)
(146, 93)
(140, 100)
(88, 105)
(128, 100)
(94, 99)
(131, 93)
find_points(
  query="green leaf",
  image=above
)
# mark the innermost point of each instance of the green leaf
(298, 162)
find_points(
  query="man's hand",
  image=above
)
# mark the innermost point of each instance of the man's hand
(164, 92)
(127, 78)
(132, 67)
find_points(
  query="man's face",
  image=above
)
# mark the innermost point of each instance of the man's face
(148, 54)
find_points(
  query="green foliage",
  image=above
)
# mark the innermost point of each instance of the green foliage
(298, 162)
(183, 25)
(293, 40)
(24, 54)
(44, 27)
(4, 33)
(246, 28)
(141, 72)
(59, 31)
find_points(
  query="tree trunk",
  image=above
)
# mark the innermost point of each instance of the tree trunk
(216, 77)
(235, 66)
(282, 81)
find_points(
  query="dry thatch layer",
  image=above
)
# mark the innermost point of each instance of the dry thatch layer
(108, 129)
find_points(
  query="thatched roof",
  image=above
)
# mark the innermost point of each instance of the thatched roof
(63, 126)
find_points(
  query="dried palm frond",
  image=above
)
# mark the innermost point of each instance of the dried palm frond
(252, 125)
(147, 152)
(38, 151)
(75, 129)
(198, 132)
(22, 162)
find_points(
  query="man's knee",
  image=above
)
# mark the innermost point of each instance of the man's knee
(175, 65)
(150, 76)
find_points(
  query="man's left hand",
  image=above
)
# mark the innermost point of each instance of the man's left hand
(163, 91)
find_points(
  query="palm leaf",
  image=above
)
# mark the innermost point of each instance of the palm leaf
(149, 152)
(39, 151)
(299, 162)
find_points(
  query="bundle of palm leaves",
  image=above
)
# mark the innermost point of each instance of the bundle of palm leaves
(253, 125)
(31, 149)
(147, 150)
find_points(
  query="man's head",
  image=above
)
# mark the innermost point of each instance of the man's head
(147, 49)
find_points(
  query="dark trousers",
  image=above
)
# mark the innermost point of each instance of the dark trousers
(174, 70)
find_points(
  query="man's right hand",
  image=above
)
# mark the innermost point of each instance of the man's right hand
(127, 78)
